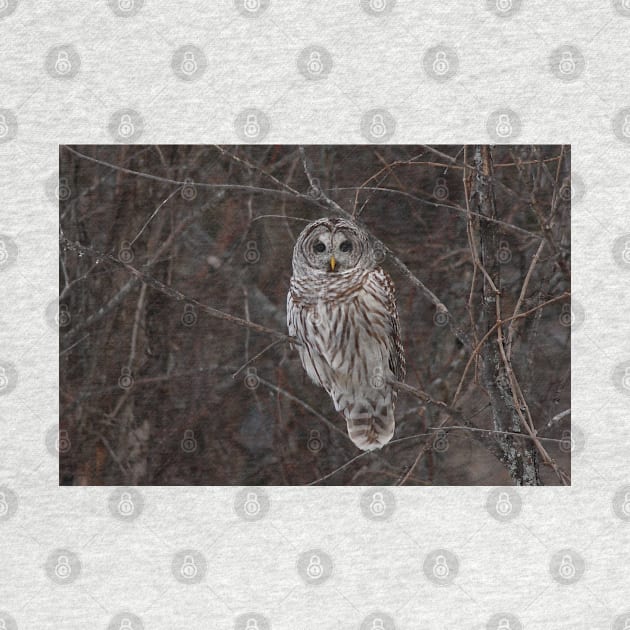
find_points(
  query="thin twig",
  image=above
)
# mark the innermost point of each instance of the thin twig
(521, 297)
(174, 293)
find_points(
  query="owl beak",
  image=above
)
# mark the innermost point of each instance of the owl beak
(333, 262)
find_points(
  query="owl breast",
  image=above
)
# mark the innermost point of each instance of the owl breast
(348, 332)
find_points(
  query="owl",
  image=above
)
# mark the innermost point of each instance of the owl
(341, 307)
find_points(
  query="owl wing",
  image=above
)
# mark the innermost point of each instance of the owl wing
(383, 288)
(310, 353)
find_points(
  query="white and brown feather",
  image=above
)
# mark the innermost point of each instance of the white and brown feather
(347, 325)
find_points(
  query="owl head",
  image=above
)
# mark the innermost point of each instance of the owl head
(332, 245)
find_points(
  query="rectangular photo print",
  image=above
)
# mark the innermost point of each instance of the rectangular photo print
(371, 315)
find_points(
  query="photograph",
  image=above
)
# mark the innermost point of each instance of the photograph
(285, 315)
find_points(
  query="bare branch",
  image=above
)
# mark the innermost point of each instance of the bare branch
(174, 293)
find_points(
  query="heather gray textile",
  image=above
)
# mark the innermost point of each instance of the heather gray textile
(314, 72)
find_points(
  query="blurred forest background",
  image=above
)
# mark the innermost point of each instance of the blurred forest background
(157, 243)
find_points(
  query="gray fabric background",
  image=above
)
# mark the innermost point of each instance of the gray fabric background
(123, 569)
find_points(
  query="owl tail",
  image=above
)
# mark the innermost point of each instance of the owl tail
(370, 427)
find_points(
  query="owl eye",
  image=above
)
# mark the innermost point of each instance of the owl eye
(319, 247)
(346, 246)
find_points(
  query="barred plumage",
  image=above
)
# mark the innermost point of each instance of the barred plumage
(342, 309)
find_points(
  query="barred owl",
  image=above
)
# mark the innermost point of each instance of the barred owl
(341, 308)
